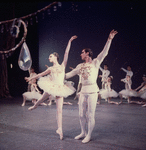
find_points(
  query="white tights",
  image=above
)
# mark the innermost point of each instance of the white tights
(87, 107)
(59, 105)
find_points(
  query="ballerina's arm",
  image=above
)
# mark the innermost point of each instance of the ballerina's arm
(139, 87)
(67, 50)
(38, 75)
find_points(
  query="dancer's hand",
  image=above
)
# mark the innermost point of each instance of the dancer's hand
(71, 68)
(27, 79)
(100, 76)
(47, 66)
(72, 38)
(112, 34)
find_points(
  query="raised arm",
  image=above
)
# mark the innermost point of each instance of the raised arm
(38, 75)
(67, 50)
(105, 50)
(101, 69)
(124, 70)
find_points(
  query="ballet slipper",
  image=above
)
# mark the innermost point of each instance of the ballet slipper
(50, 103)
(86, 139)
(120, 103)
(32, 107)
(60, 134)
(43, 104)
(80, 136)
(98, 103)
(23, 105)
(144, 105)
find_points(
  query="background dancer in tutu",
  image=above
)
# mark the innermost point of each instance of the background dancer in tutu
(142, 90)
(88, 94)
(127, 93)
(33, 96)
(104, 76)
(53, 84)
(108, 93)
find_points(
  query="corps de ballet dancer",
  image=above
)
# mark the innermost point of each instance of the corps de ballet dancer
(33, 95)
(141, 90)
(128, 72)
(88, 70)
(127, 93)
(108, 93)
(104, 76)
(53, 84)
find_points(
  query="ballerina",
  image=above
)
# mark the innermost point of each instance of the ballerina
(127, 93)
(34, 95)
(52, 98)
(53, 84)
(104, 76)
(128, 72)
(108, 93)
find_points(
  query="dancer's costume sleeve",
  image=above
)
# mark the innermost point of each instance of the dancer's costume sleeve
(103, 54)
(73, 72)
(130, 73)
(101, 69)
(124, 70)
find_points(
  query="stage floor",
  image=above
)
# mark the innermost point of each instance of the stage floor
(118, 127)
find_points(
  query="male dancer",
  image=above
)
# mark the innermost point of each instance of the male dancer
(88, 97)
(104, 76)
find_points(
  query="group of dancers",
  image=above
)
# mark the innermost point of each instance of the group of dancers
(107, 92)
(53, 81)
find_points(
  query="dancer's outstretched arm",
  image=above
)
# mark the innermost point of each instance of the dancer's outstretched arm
(139, 87)
(67, 50)
(38, 75)
(124, 70)
(105, 50)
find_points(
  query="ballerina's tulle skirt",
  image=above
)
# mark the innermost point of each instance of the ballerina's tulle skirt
(32, 95)
(56, 90)
(105, 94)
(127, 93)
(143, 95)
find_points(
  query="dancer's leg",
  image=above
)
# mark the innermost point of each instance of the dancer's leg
(112, 102)
(44, 97)
(82, 115)
(24, 100)
(121, 98)
(99, 99)
(59, 105)
(92, 100)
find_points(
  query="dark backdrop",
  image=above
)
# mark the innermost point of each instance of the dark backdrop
(92, 23)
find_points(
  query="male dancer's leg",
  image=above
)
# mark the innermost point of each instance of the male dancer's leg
(82, 115)
(92, 100)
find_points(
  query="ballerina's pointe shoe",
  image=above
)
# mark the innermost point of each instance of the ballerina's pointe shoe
(60, 134)
(32, 107)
